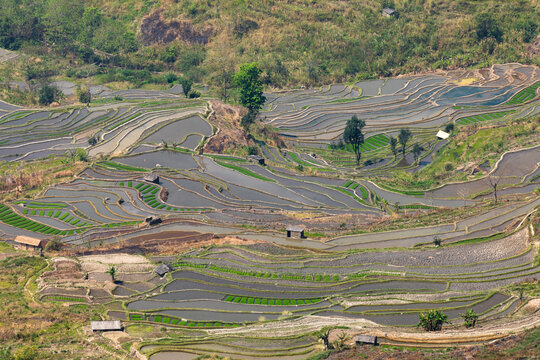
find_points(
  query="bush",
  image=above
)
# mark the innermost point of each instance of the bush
(49, 94)
(84, 95)
(470, 318)
(53, 245)
(433, 320)
(194, 94)
(486, 26)
(449, 128)
(252, 150)
(26, 353)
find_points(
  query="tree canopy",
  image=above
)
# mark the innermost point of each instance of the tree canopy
(249, 82)
(403, 137)
(354, 136)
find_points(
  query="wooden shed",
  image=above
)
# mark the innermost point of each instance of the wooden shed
(295, 231)
(28, 243)
(388, 12)
(162, 269)
(366, 339)
(152, 178)
(110, 325)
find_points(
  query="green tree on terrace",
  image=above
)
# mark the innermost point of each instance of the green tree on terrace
(49, 94)
(112, 272)
(403, 137)
(84, 95)
(354, 136)
(393, 144)
(248, 81)
(417, 150)
(186, 85)
(433, 320)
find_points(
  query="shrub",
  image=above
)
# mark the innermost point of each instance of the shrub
(194, 94)
(53, 245)
(449, 128)
(437, 240)
(470, 318)
(84, 95)
(26, 353)
(252, 150)
(433, 320)
(49, 94)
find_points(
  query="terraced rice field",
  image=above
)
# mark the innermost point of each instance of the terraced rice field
(270, 294)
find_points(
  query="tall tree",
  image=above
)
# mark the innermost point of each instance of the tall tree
(393, 143)
(251, 88)
(186, 85)
(417, 149)
(403, 137)
(354, 136)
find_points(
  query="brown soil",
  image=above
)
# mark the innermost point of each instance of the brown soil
(163, 243)
(64, 270)
(155, 29)
(230, 134)
(494, 350)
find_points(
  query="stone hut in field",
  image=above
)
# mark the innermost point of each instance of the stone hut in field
(111, 325)
(28, 243)
(151, 178)
(295, 231)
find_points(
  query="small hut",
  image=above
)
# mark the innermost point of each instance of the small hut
(28, 243)
(162, 269)
(110, 325)
(366, 339)
(388, 12)
(442, 135)
(151, 178)
(257, 158)
(295, 231)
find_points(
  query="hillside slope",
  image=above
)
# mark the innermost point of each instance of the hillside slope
(295, 41)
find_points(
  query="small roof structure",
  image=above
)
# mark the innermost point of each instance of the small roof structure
(295, 228)
(366, 339)
(162, 269)
(27, 240)
(110, 325)
(388, 11)
(151, 178)
(443, 135)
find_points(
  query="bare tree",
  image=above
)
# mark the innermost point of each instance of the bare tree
(493, 181)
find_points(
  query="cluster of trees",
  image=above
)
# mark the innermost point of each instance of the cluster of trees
(68, 25)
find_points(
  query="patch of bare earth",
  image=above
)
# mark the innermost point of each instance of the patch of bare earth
(156, 29)
(230, 134)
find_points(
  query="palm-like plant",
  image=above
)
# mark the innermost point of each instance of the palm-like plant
(433, 320)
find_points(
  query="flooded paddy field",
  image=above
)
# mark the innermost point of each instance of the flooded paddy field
(371, 258)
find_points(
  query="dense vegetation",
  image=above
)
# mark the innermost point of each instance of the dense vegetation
(295, 42)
